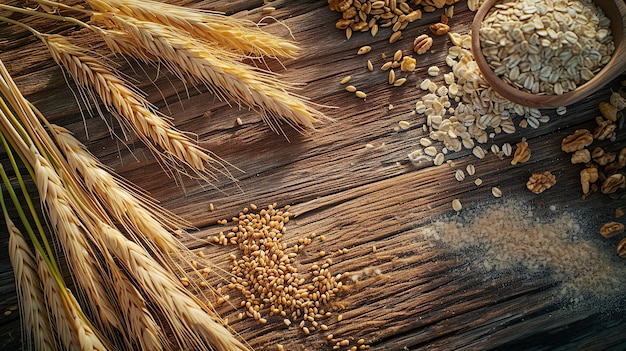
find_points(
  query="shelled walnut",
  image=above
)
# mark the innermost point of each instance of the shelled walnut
(621, 248)
(588, 176)
(439, 28)
(581, 156)
(605, 129)
(605, 159)
(577, 141)
(522, 153)
(540, 182)
(613, 183)
(422, 44)
(621, 158)
(611, 229)
(608, 111)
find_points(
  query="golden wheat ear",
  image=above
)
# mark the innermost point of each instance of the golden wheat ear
(136, 213)
(171, 146)
(36, 322)
(72, 235)
(239, 35)
(217, 68)
(190, 321)
(73, 329)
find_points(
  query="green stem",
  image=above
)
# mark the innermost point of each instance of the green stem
(22, 215)
(29, 202)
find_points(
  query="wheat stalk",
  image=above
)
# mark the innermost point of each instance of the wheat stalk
(72, 328)
(141, 322)
(136, 212)
(32, 304)
(73, 237)
(219, 70)
(236, 34)
(129, 105)
(192, 327)
(179, 308)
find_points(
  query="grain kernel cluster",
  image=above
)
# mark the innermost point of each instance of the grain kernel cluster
(265, 273)
(370, 16)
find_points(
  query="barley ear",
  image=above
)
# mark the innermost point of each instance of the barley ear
(190, 321)
(136, 213)
(74, 238)
(142, 325)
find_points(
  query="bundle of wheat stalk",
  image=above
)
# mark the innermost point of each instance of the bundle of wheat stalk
(123, 263)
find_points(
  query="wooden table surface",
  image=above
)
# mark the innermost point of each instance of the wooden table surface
(351, 181)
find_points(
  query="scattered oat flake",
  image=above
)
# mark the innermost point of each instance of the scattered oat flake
(496, 192)
(404, 125)
(471, 170)
(459, 175)
(456, 205)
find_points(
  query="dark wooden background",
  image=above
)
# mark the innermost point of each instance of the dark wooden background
(425, 297)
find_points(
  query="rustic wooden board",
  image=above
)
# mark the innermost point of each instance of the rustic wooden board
(424, 296)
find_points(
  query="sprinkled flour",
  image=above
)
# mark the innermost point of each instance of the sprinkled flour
(509, 236)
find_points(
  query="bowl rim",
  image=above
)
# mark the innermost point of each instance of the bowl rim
(611, 70)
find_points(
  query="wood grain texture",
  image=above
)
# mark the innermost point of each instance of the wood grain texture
(411, 293)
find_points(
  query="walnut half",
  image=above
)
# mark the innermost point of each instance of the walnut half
(581, 156)
(621, 248)
(522, 153)
(540, 182)
(611, 229)
(588, 176)
(612, 183)
(577, 141)
(422, 44)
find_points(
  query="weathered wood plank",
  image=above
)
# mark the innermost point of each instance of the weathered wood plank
(424, 296)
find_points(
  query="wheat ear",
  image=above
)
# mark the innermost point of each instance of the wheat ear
(218, 69)
(129, 105)
(193, 327)
(236, 34)
(140, 322)
(35, 318)
(73, 330)
(135, 212)
(73, 238)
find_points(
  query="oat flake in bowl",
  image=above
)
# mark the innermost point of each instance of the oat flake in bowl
(549, 42)
(546, 47)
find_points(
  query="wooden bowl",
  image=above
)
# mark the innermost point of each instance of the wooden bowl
(615, 10)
